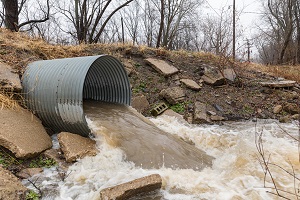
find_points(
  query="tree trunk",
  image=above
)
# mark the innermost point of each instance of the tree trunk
(162, 18)
(11, 14)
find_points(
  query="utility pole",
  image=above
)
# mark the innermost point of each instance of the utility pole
(249, 45)
(233, 31)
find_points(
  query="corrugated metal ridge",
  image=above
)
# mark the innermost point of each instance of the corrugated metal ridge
(55, 89)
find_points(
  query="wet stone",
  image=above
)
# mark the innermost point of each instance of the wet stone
(200, 115)
(29, 172)
(140, 103)
(75, 146)
(133, 188)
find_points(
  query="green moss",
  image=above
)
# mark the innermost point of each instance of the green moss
(179, 107)
(32, 195)
(42, 162)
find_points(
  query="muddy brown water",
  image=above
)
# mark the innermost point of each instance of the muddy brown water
(142, 142)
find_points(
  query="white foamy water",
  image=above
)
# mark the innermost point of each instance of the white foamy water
(235, 174)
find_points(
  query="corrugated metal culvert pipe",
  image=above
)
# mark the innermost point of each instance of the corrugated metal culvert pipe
(55, 89)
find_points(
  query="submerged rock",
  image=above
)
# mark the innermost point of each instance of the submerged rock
(133, 188)
(22, 133)
(75, 146)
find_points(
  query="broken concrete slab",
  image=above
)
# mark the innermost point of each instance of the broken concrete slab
(128, 67)
(279, 84)
(22, 133)
(75, 146)
(173, 95)
(10, 187)
(140, 103)
(191, 84)
(215, 80)
(133, 188)
(9, 80)
(162, 66)
(200, 113)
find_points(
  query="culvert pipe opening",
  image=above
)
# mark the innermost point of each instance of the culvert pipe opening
(55, 89)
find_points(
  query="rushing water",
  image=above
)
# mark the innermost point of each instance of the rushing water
(235, 172)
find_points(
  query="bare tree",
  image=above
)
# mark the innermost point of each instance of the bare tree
(12, 10)
(90, 17)
(283, 33)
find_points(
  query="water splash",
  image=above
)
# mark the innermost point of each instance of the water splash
(235, 173)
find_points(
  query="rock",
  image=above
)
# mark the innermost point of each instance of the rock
(173, 95)
(218, 108)
(171, 113)
(10, 187)
(130, 189)
(211, 113)
(295, 117)
(75, 146)
(22, 133)
(216, 118)
(277, 109)
(215, 80)
(162, 66)
(128, 67)
(200, 115)
(29, 172)
(229, 74)
(285, 119)
(8, 79)
(140, 103)
(191, 84)
(279, 84)
(55, 154)
(291, 108)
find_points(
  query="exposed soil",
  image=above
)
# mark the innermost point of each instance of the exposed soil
(244, 98)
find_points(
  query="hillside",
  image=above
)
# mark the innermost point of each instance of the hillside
(243, 98)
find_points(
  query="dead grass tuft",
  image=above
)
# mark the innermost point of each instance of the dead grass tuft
(8, 102)
(285, 71)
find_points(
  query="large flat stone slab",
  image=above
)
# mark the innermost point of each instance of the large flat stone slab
(132, 188)
(8, 79)
(10, 187)
(279, 84)
(173, 95)
(162, 66)
(23, 133)
(189, 83)
(75, 146)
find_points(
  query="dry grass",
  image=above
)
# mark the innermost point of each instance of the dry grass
(8, 102)
(285, 71)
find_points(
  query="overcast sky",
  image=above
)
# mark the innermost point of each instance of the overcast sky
(249, 16)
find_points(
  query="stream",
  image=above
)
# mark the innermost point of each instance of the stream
(215, 162)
